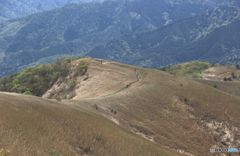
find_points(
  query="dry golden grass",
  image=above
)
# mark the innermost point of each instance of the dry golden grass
(31, 126)
(230, 87)
(170, 111)
(163, 110)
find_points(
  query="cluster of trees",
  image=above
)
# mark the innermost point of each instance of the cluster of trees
(37, 80)
(191, 69)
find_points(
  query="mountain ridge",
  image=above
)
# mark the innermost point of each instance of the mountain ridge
(67, 31)
(20, 8)
(184, 40)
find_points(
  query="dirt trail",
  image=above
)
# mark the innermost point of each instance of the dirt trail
(106, 79)
(128, 85)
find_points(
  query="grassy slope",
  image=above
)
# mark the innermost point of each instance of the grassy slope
(169, 110)
(33, 126)
(232, 88)
(191, 69)
(213, 76)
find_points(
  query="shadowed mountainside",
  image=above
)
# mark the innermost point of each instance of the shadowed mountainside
(211, 36)
(136, 32)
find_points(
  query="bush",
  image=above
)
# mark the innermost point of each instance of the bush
(215, 86)
(192, 69)
(4, 152)
(81, 68)
(54, 153)
(185, 100)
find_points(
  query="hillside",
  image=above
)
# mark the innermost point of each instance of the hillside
(34, 126)
(93, 28)
(165, 80)
(180, 114)
(174, 112)
(211, 36)
(230, 87)
(192, 69)
(225, 78)
(205, 71)
(38, 79)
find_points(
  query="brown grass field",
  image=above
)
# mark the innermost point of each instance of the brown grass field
(230, 87)
(151, 113)
(171, 111)
(31, 126)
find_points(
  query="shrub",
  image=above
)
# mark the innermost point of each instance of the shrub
(54, 153)
(215, 86)
(81, 68)
(185, 100)
(4, 152)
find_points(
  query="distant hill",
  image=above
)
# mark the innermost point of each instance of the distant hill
(78, 29)
(20, 8)
(179, 114)
(147, 33)
(212, 36)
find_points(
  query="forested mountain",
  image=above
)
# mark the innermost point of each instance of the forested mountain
(10, 9)
(212, 36)
(148, 33)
